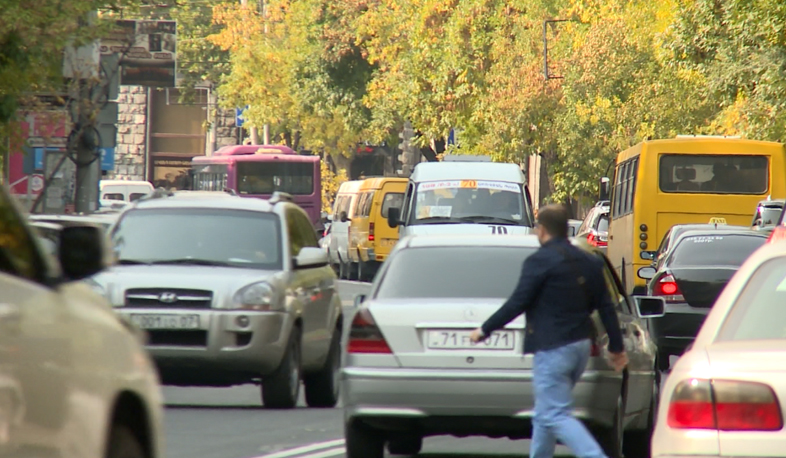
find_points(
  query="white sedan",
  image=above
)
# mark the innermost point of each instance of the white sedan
(725, 396)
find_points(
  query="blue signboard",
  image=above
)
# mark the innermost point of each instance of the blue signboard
(239, 119)
(108, 159)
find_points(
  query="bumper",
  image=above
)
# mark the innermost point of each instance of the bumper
(409, 398)
(676, 330)
(228, 347)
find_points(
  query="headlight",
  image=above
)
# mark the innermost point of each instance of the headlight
(256, 296)
(96, 286)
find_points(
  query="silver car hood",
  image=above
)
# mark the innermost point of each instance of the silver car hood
(223, 281)
(473, 228)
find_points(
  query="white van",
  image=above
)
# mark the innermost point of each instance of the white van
(463, 197)
(125, 190)
(343, 212)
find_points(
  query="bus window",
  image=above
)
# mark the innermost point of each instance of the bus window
(714, 174)
(296, 178)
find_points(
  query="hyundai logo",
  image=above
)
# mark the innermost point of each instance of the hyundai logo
(167, 298)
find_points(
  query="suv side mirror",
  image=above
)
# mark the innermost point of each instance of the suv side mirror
(359, 300)
(310, 257)
(83, 251)
(650, 307)
(646, 273)
(343, 216)
(394, 215)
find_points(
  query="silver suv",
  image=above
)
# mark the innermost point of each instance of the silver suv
(231, 290)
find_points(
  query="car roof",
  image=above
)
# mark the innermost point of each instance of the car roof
(450, 171)
(778, 203)
(741, 231)
(203, 199)
(707, 226)
(470, 240)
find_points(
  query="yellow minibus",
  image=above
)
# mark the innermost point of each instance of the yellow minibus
(685, 180)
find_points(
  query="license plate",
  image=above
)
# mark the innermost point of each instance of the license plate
(459, 340)
(166, 321)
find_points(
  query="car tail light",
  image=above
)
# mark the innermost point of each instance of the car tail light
(595, 240)
(724, 405)
(667, 288)
(594, 349)
(370, 232)
(778, 234)
(365, 336)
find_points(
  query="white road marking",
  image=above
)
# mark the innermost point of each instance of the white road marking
(298, 451)
(332, 452)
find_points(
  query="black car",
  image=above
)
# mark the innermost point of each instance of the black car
(690, 276)
(674, 233)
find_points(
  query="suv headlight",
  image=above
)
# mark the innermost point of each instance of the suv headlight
(256, 296)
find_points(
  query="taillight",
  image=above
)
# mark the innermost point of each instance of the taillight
(370, 232)
(778, 234)
(595, 240)
(724, 405)
(595, 349)
(667, 288)
(365, 336)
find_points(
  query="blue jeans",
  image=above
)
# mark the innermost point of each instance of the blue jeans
(556, 372)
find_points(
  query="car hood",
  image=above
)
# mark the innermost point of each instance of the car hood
(223, 281)
(471, 228)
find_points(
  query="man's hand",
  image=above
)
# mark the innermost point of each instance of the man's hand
(618, 360)
(477, 336)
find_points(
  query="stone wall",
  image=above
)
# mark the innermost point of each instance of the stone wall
(131, 131)
(226, 131)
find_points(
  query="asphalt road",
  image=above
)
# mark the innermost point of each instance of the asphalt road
(231, 423)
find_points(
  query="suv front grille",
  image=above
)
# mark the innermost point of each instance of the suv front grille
(169, 298)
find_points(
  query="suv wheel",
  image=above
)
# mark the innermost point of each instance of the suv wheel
(322, 388)
(124, 444)
(362, 441)
(281, 389)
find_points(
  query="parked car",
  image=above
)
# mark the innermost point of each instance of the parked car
(242, 294)
(411, 371)
(595, 227)
(690, 277)
(75, 380)
(724, 397)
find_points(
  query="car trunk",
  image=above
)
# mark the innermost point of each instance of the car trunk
(701, 285)
(434, 333)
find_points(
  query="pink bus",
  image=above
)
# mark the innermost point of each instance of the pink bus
(259, 171)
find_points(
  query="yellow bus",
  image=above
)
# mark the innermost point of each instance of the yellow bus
(685, 180)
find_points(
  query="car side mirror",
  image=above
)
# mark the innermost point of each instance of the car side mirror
(650, 307)
(83, 251)
(359, 299)
(647, 255)
(646, 273)
(311, 257)
(394, 216)
(344, 218)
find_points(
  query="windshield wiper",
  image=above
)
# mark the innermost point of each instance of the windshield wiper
(191, 261)
(437, 220)
(489, 219)
(131, 262)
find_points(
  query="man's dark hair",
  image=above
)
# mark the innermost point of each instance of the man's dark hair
(554, 218)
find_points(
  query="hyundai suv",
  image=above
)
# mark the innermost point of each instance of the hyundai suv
(231, 290)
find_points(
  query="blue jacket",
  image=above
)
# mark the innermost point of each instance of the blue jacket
(555, 303)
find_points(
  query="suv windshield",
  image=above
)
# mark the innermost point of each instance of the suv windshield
(453, 272)
(715, 250)
(470, 201)
(198, 236)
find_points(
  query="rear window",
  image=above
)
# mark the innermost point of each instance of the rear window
(760, 311)
(714, 174)
(603, 224)
(136, 196)
(453, 272)
(714, 250)
(295, 178)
